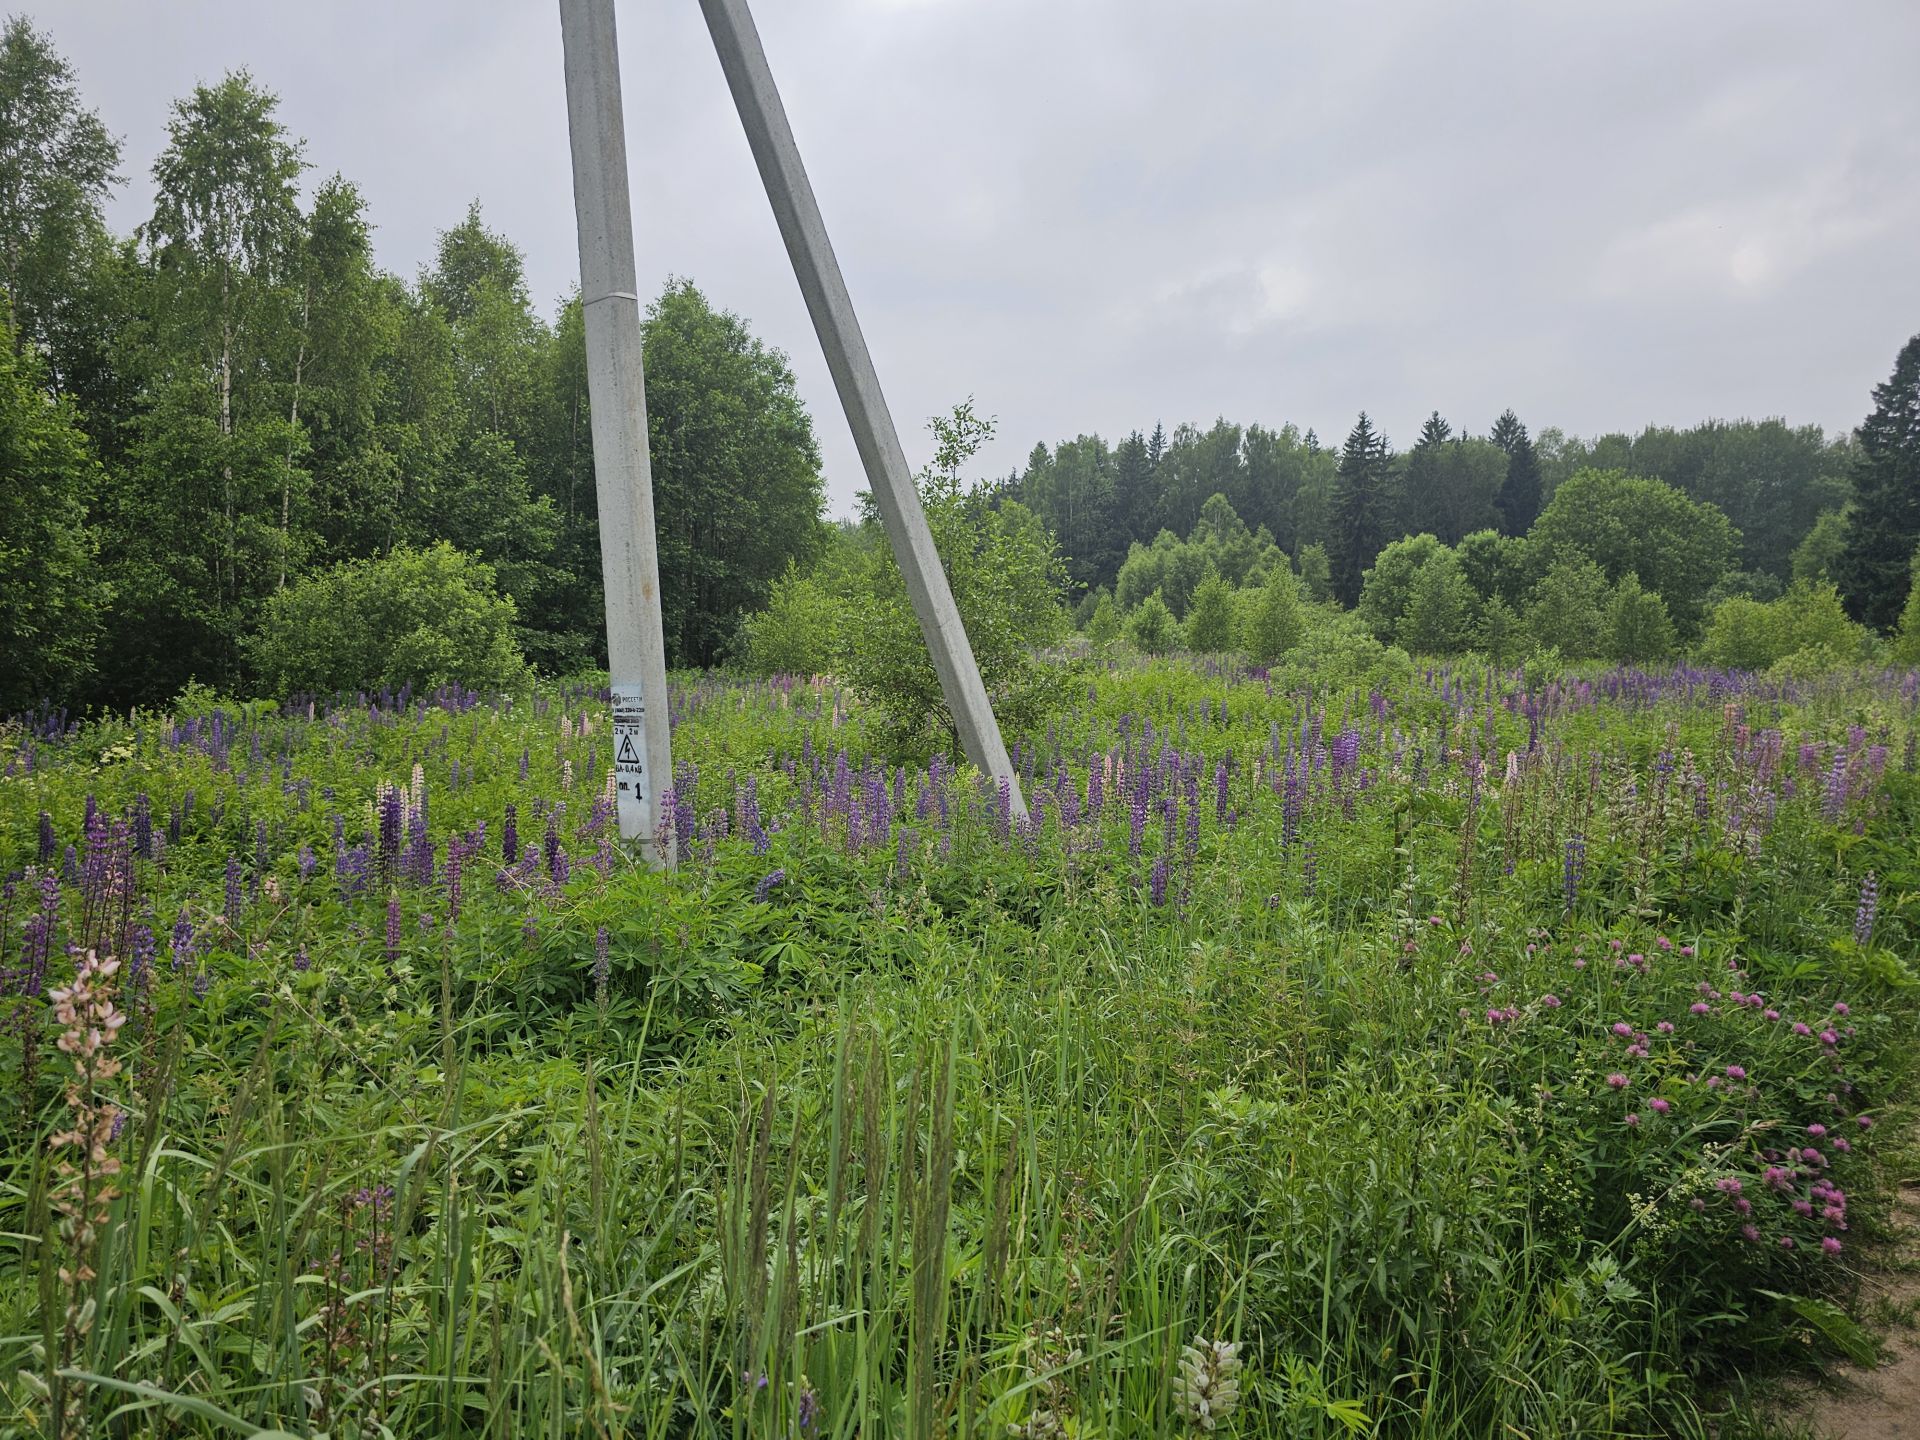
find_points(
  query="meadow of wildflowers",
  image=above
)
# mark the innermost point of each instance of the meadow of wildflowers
(1481, 1053)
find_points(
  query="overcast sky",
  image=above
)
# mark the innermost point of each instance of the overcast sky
(1094, 215)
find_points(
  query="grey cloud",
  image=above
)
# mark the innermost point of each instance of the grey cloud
(1095, 215)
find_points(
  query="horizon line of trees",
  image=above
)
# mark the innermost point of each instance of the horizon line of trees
(234, 402)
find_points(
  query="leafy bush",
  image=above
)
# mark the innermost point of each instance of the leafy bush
(1273, 623)
(1010, 586)
(1316, 573)
(1569, 608)
(1639, 630)
(1811, 618)
(1103, 625)
(1151, 627)
(1210, 621)
(1387, 589)
(1906, 639)
(1439, 618)
(795, 634)
(424, 618)
(1635, 525)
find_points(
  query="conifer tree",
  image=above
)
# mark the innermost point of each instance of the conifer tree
(1518, 499)
(1884, 524)
(1359, 508)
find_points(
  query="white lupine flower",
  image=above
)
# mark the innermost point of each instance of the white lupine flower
(1206, 1389)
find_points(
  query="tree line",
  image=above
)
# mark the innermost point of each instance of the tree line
(202, 414)
(224, 432)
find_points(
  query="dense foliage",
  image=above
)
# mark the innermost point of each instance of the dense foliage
(1464, 1054)
(261, 402)
(429, 618)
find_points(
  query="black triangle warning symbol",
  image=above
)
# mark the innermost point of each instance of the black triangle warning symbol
(627, 754)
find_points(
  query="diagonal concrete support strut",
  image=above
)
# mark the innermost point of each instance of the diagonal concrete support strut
(805, 233)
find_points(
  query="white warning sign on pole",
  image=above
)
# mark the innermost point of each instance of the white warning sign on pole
(633, 786)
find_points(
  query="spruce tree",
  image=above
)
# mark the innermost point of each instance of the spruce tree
(1359, 508)
(1518, 499)
(1884, 524)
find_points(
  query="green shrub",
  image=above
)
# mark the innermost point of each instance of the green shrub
(794, 635)
(1273, 624)
(1501, 636)
(1750, 634)
(1387, 590)
(1010, 586)
(1906, 639)
(1151, 626)
(1210, 621)
(1439, 614)
(1639, 629)
(424, 618)
(1316, 573)
(1103, 625)
(1569, 606)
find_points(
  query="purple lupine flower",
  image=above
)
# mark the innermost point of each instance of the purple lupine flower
(37, 943)
(1309, 868)
(1157, 880)
(1220, 791)
(182, 947)
(1137, 815)
(1869, 906)
(392, 810)
(766, 885)
(1834, 800)
(306, 861)
(140, 952)
(750, 817)
(510, 834)
(393, 930)
(49, 841)
(1573, 868)
(235, 897)
(602, 965)
(1346, 751)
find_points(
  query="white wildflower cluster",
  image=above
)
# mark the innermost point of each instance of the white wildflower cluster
(1206, 1388)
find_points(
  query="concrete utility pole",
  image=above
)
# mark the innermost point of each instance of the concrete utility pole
(616, 388)
(805, 234)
